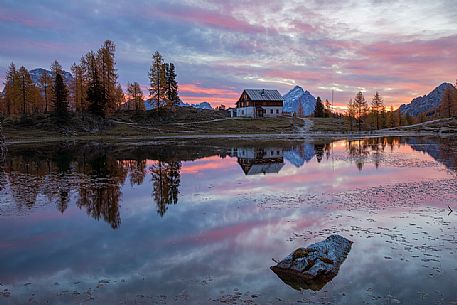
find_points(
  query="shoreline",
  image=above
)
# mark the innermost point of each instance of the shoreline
(248, 136)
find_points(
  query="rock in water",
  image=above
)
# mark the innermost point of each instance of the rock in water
(314, 266)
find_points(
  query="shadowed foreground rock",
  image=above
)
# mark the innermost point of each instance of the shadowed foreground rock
(314, 266)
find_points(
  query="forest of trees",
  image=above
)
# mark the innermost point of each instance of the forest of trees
(362, 115)
(101, 177)
(94, 88)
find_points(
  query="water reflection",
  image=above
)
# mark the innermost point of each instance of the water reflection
(94, 175)
(256, 161)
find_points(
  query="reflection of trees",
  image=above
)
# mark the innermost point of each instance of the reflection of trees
(320, 149)
(358, 152)
(137, 171)
(100, 191)
(166, 177)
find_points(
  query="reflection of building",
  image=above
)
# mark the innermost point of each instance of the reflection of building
(256, 161)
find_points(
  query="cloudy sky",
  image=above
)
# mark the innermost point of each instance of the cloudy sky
(401, 48)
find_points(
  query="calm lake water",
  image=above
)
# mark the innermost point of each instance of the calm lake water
(201, 223)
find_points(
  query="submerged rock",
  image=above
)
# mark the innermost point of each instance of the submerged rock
(314, 266)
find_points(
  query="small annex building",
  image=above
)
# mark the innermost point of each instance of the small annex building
(259, 103)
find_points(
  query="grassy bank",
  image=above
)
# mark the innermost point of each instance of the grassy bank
(146, 125)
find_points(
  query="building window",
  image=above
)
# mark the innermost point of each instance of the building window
(277, 111)
(242, 111)
(271, 111)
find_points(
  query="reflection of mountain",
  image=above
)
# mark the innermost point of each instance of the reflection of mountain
(256, 161)
(443, 150)
(300, 154)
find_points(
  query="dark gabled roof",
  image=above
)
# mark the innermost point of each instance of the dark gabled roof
(263, 95)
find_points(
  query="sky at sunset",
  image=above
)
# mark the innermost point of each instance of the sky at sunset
(401, 48)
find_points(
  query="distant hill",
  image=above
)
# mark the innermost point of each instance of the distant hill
(298, 95)
(35, 74)
(426, 103)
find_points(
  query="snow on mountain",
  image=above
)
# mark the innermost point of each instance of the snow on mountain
(298, 95)
(427, 102)
(35, 74)
(299, 155)
(203, 105)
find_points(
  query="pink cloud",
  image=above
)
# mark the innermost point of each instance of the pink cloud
(7, 15)
(206, 18)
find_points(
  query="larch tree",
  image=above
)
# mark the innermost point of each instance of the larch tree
(448, 103)
(78, 88)
(157, 79)
(135, 95)
(28, 91)
(45, 84)
(361, 109)
(107, 74)
(351, 114)
(319, 110)
(391, 118)
(377, 105)
(12, 90)
(119, 96)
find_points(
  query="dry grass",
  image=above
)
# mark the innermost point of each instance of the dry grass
(328, 125)
(144, 127)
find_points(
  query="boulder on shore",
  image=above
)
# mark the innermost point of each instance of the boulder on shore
(314, 266)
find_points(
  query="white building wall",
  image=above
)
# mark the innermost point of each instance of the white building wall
(245, 112)
(273, 111)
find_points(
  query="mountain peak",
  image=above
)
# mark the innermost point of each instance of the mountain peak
(298, 96)
(426, 103)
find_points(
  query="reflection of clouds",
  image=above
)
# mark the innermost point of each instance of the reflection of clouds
(227, 227)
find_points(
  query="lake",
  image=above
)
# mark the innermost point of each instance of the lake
(201, 222)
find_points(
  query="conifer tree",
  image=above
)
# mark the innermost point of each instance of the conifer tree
(60, 98)
(56, 68)
(172, 85)
(157, 80)
(361, 109)
(319, 110)
(95, 94)
(328, 109)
